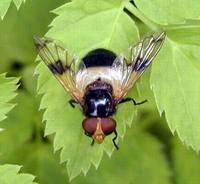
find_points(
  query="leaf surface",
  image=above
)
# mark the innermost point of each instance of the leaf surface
(169, 12)
(5, 4)
(21, 117)
(22, 143)
(7, 91)
(176, 87)
(176, 69)
(9, 175)
(140, 154)
(15, 37)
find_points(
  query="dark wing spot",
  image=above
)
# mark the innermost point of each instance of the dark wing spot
(60, 66)
(140, 65)
(52, 68)
(57, 67)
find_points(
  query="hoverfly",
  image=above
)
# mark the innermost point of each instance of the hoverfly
(101, 81)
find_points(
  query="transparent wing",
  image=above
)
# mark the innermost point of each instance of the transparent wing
(60, 64)
(141, 56)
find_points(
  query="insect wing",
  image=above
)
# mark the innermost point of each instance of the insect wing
(60, 64)
(141, 56)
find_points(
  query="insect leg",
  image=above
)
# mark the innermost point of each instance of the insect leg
(131, 99)
(92, 143)
(113, 140)
(72, 102)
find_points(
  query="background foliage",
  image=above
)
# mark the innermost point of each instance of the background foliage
(149, 153)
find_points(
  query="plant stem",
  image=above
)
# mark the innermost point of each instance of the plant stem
(139, 15)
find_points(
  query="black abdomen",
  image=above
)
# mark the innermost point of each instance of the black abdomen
(99, 57)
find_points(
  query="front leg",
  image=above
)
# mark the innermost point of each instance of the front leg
(113, 140)
(72, 102)
(92, 143)
(124, 100)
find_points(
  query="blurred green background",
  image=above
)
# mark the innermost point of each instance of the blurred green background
(149, 153)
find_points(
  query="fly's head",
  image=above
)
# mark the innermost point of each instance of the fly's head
(98, 128)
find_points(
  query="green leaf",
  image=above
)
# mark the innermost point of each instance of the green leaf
(17, 46)
(188, 39)
(169, 12)
(21, 118)
(7, 88)
(4, 5)
(186, 164)
(176, 87)
(114, 30)
(174, 74)
(29, 148)
(38, 159)
(9, 175)
(27, 75)
(139, 160)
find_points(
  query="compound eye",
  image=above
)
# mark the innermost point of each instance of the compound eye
(89, 125)
(108, 125)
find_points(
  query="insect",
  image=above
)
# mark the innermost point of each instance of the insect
(101, 81)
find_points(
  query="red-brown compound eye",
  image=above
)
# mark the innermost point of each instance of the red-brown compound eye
(108, 125)
(89, 125)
